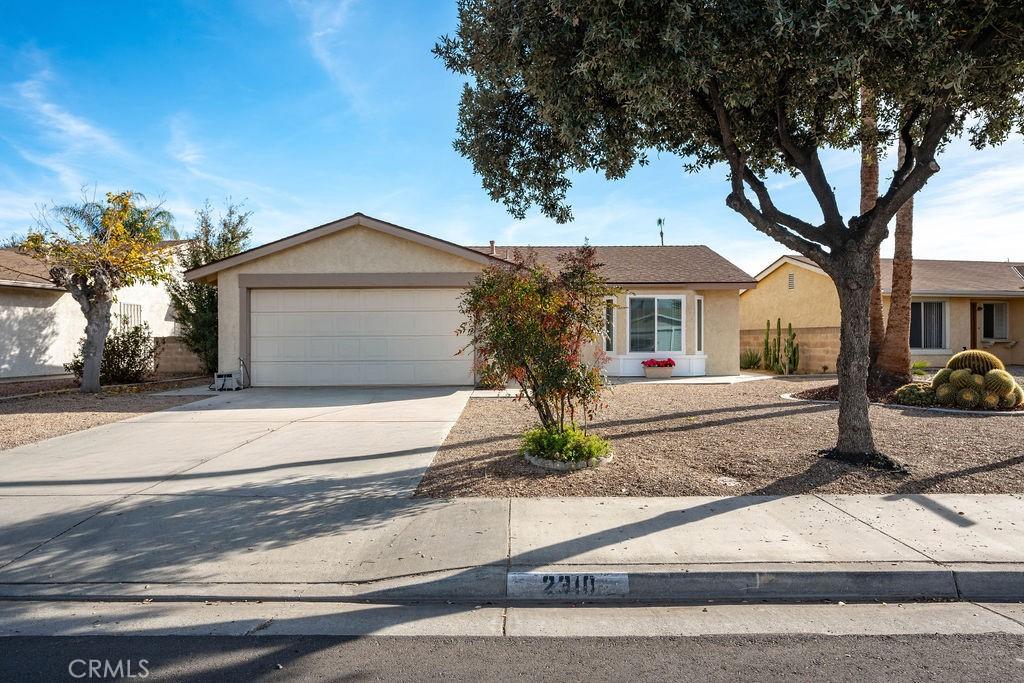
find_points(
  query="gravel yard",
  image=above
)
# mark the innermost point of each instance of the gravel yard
(27, 420)
(687, 440)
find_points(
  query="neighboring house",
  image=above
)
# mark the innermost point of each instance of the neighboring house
(955, 305)
(361, 302)
(41, 324)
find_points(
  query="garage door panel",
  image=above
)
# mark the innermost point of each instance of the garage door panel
(353, 336)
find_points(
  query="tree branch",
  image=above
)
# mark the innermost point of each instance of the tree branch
(809, 164)
(768, 219)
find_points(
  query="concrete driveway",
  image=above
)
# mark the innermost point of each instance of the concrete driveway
(283, 486)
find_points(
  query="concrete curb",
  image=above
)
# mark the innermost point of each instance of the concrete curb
(639, 584)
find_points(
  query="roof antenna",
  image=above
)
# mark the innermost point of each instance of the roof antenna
(661, 230)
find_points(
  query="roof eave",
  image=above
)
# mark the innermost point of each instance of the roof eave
(22, 284)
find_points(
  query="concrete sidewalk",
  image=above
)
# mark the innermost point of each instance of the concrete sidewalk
(661, 550)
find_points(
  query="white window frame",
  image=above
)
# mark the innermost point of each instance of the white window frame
(699, 322)
(614, 309)
(682, 322)
(1006, 304)
(945, 326)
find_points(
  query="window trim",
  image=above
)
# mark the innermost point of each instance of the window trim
(982, 336)
(945, 326)
(682, 325)
(700, 313)
(615, 323)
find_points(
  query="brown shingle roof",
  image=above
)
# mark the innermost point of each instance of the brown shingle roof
(19, 268)
(932, 276)
(635, 265)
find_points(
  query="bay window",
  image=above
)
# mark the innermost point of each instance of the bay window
(655, 324)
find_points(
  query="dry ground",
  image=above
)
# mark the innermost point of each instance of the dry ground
(27, 420)
(686, 440)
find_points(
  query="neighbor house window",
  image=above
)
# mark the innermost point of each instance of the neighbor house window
(995, 321)
(928, 325)
(655, 324)
(130, 315)
(609, 325)
(700, 324)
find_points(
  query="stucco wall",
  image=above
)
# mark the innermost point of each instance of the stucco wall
(40, 329)
(813, 301)
(352, 250)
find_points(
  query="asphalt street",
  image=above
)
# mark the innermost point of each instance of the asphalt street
(995, 657)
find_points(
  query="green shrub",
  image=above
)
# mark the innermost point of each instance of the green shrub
(919, 368)
(750, 359)
(915, 394)
(129, 355)
(489, 377)
(978, 362)
(571, 444)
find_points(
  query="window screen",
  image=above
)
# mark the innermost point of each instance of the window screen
(641, 325)
(609, 326)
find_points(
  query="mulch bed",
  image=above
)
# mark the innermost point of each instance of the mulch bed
(688, 440)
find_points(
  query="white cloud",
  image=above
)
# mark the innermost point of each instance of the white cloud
(326, 21)
(181, 146)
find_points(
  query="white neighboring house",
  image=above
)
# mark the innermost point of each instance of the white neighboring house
(41, 324)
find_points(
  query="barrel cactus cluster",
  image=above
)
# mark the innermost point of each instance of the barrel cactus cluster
(971, 380)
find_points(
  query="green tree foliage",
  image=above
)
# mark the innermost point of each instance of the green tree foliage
(95, 249)
(532, 325)
(560, 87)
(195, 303)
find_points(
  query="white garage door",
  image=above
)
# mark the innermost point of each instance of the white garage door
(331, 337)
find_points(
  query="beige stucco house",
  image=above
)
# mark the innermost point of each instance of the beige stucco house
(41, 324)
(956, 305)
(360, 301)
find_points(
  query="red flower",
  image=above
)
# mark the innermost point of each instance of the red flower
(659, 363)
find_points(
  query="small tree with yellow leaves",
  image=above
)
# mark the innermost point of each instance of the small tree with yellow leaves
(96, 249)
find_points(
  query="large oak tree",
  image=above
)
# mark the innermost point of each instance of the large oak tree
(562, 86)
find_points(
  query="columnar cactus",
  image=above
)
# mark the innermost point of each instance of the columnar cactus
(978, 362)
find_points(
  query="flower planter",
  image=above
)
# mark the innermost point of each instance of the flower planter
(567, 465)
(658, 373)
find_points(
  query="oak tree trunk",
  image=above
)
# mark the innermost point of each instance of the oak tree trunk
(893, 363)
(854, 284)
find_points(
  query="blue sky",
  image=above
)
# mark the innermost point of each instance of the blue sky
(310, 111)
